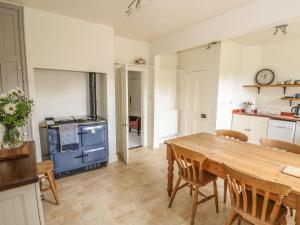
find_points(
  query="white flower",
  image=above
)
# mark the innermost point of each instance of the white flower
(19, 91)
(3, 96)
(10, 108)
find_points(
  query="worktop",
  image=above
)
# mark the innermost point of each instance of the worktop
(20, 171)
(275, 117)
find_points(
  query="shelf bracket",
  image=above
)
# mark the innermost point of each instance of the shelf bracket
(284, 90)
(258, 90)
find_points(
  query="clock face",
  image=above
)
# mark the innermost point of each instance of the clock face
(264, 77)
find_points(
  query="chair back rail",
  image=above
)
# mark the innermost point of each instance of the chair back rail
(232, 134)
(189, 163)
(244, 188)
(282, 145)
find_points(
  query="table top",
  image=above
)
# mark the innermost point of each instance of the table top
(263, 162)
(20, 171)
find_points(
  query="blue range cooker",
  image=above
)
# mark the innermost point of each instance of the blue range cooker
(91, 153)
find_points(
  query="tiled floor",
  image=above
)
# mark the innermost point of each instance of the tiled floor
(134, 139)
(133, 195)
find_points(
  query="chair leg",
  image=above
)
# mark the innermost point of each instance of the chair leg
(174, 191)
(239, 221)
(53, 189)
(284, 221)
(225, 190)
(54, 181)
(231, 217)
(216, 195)
(191, 190)
(195, 203)
(291, 212)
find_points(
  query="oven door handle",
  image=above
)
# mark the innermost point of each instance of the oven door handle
(81, 156)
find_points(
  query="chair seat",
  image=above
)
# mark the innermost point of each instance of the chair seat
(45, 167)
(259, 205)
(206, 177)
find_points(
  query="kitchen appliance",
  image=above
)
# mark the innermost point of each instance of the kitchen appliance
(89, 153)
(281, 130)
(296, 110)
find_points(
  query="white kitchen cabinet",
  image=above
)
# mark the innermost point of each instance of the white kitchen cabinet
(297, 133)
(255, 127)
(21, 206)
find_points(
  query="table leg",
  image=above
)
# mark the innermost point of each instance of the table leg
(297, 216)
(170, 158)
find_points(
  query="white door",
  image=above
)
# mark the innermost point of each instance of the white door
(122, 112)
(197, 103)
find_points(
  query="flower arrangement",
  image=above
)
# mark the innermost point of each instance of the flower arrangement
(15, 108)
(247, 106)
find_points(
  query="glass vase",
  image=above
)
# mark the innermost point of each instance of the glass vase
(11, 137)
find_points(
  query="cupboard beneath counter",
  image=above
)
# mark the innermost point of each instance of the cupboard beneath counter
(254, 127)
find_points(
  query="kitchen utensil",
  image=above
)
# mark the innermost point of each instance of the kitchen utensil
(296, 110)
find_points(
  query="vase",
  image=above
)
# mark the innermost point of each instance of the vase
(248, 109)
(11, 137)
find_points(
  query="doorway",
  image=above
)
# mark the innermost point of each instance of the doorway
(134, 109)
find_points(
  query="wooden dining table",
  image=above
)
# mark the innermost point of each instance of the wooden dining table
(256, 160)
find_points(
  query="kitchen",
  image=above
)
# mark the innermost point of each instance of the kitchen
(263, 85)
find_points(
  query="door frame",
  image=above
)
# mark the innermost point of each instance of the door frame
(141, 74)
(144, 95)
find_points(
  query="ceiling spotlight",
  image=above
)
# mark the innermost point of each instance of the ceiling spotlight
(209, 46)
(133, 5)
(282, 28)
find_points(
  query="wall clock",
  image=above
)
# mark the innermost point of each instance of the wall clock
(264, 77)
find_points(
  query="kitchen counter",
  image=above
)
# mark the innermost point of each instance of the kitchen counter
(275, 117)
(20, 171)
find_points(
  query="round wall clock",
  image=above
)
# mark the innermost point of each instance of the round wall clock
(264, 77)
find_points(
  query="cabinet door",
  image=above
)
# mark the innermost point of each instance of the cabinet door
(10, 50)
(241, 123)
(297, 134)
(258, 129)
(21, 206)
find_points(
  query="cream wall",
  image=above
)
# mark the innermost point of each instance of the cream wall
(59, 42)
(165, 97)
(128, 50)
(240, 21)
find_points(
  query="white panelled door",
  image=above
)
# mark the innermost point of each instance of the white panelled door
(122, 112)
(196, 103)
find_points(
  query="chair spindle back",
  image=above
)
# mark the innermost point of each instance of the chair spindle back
(244, 188)
(232, 134)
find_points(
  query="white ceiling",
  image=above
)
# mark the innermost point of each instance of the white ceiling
(266, 36)
(156, 18)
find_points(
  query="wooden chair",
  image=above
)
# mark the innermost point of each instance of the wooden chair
(281, 145)
(250, 199)
(190, 171)
(45, 172)
(232, 135)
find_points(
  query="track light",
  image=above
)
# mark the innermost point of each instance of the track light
(282, 28)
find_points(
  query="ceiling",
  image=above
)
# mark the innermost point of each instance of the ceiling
(266, 36)
(156, 18)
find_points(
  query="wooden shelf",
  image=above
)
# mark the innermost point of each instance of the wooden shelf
(291, 100)
(284, 86)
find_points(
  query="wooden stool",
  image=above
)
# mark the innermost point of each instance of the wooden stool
(45, 171)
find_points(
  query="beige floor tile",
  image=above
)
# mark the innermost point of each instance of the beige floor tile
(129, 195)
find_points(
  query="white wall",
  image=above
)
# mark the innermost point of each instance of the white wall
(283, 58)
(63, 43)
(237, 66)
(165, 97)
(128, 50)
(240, 21)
